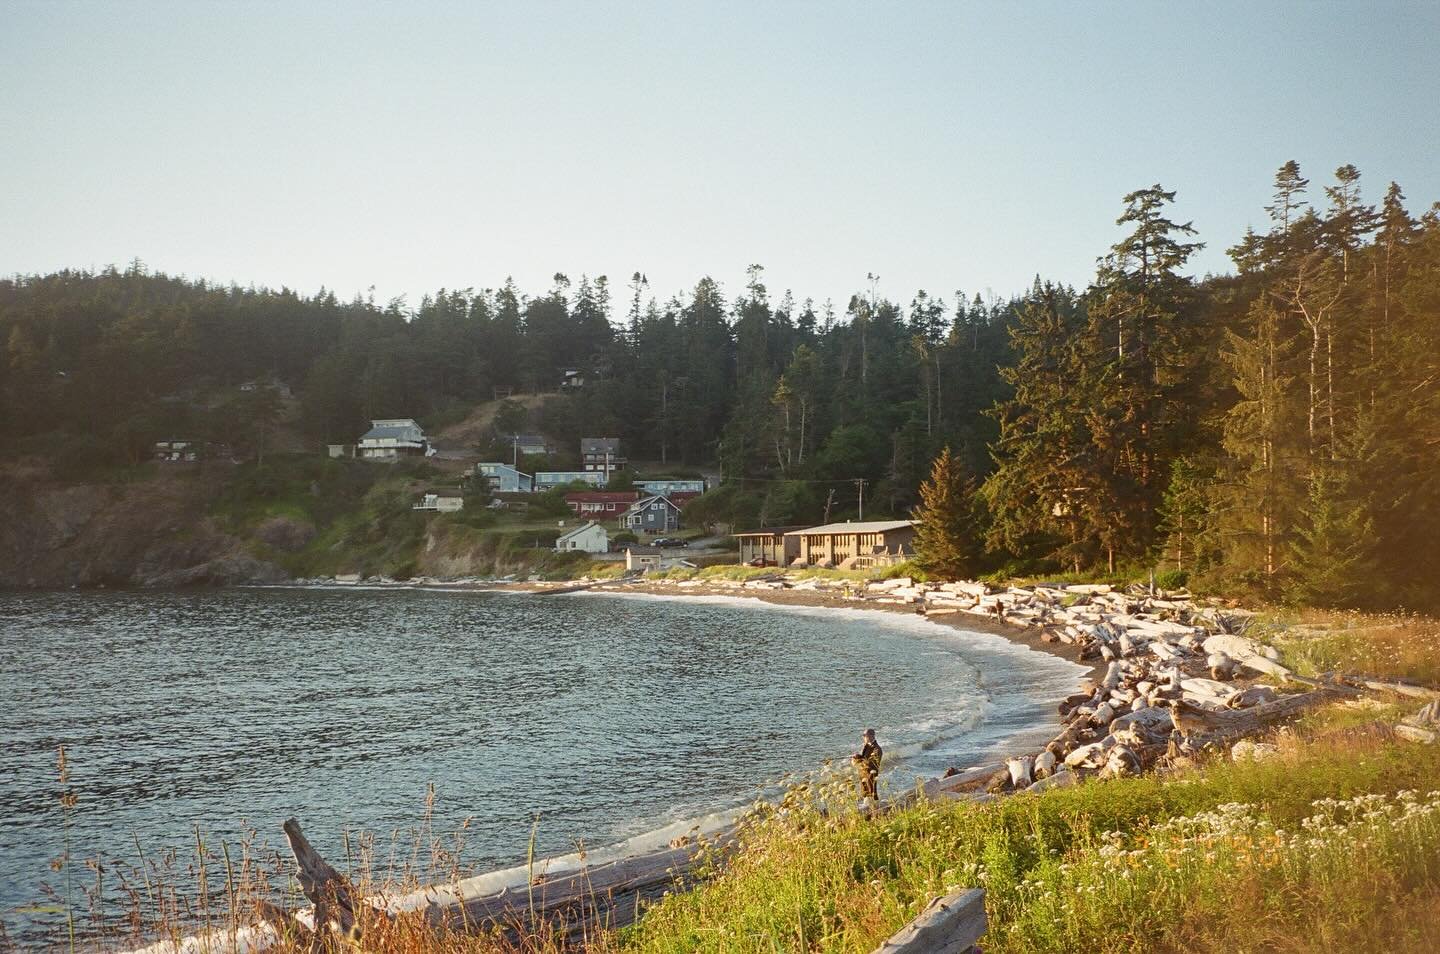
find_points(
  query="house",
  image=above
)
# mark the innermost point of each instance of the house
(392, 438)
(854, 546)
(572, 379)
(550, 479)
(601, 504)
(533, 444)
(769, 546)
(441, 501)
(589, 537)
(644, 558)
(651, 558)
(601, 454)
(502, 478)
(668, 487)
(185, 452)
(653, 514)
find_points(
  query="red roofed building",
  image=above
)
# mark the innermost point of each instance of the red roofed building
(601, 503)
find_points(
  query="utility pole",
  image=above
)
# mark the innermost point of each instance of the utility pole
(515, 451)
(860, 486)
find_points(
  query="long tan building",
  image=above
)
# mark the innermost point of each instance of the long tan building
(853, 546)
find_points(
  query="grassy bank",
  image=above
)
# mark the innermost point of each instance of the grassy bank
(1333, 843)
(1308, 851)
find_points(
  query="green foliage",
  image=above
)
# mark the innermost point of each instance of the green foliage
(948, 539)
(1149, 417)
(730, 504)
(621, 480)
(1172, 579)
(1332, 554)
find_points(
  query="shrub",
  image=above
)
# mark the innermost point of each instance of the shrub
(1171, 579)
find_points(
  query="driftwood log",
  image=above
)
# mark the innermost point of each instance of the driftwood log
(571, 903)
(338, 906)
(948, 925)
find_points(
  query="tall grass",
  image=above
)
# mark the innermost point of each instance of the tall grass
(808, 880)
(1397, 645)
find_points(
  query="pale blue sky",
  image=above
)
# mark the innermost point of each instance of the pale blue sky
(940, 145)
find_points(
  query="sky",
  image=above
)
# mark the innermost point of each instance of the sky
(412, 147)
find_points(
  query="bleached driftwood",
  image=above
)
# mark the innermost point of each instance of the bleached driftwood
(338, 906)
(948, 925)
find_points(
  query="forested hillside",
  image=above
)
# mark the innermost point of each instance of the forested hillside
(1278, 427)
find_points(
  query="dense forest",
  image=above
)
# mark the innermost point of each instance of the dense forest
(1278, 427)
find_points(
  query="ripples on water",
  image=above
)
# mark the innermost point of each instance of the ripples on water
(604, 715)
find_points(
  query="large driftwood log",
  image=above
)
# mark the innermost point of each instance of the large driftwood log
(948, 925)
(1247, 653)
(1235, 723)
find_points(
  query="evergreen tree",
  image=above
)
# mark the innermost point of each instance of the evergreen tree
(949, 538)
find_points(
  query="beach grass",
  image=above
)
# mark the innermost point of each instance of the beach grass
(1314, 845)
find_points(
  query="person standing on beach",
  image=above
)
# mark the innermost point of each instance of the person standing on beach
(867, 762)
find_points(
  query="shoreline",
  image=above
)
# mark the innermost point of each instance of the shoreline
(718, 820)
(968, 622)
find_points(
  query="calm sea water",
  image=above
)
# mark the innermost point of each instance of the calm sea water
(603, 716)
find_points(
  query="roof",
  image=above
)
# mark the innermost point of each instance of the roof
(501, 465)
(599, 445)
(644, 502)
(769, 531)
(872, 526)
(580, 529)
(529, 439)
(400, 432)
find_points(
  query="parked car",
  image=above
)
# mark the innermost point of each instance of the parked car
(667, 542)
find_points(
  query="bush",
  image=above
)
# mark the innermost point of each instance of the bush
(1172, 579)
(623, 537)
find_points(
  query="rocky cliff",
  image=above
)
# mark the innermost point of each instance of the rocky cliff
(150, 533)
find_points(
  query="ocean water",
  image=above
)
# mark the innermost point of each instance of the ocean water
(581, 719)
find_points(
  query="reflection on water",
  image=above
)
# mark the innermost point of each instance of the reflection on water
(604, 715)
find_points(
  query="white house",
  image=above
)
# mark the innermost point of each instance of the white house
(393, 438)
(444, 501)
(588, 537)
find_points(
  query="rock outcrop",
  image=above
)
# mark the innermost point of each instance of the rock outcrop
(152, 533)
